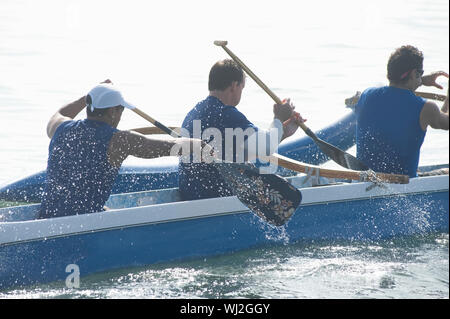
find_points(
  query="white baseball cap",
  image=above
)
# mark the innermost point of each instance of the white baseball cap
(104, 96)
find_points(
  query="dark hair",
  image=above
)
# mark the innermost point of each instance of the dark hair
(403, 60)
(95, 112)
(223, 73)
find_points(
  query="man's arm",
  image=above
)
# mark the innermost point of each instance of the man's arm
(66, 113)
(432, 116)
(125, 143)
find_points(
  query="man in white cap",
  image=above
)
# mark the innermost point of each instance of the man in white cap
(85, 155)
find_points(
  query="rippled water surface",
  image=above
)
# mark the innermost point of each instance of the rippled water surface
(401, 268)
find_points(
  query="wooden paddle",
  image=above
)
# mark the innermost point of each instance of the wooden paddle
(269, 196)
(149, 130)
(293, 165)
(339, 156)
(431, 96)
(426, 95)
(300, 167)
(162, 127)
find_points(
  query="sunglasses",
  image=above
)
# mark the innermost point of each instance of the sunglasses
(419, 73)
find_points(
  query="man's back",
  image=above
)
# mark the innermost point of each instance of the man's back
(388, 134)
(79, 175)
(200, 180)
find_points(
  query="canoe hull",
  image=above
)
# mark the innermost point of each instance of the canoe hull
(183, 230)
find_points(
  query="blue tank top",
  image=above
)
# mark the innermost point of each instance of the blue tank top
(79, 176)
(200, 180)
(388, 131)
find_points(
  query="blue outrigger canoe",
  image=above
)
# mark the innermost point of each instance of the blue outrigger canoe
(154, 226)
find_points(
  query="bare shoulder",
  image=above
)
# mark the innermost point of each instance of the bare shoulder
(56, 120)
(430, 108)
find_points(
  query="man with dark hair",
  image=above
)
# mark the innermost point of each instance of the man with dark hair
(392, 121)
(223, 73)
(85, 155)
(217, 121)
(401, 63)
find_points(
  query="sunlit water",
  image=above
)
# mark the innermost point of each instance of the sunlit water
(317, 53)
(403, 268)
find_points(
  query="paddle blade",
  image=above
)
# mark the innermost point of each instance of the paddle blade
(269, 196)
(342, 158)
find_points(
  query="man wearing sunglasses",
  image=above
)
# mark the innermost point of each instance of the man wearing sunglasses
(392, 121)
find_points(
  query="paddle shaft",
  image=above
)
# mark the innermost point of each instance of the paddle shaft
(258, 81)
(156, 123)
(149, 130)
(431, 96)
(426, 95)
(252, 75)
(333, 173)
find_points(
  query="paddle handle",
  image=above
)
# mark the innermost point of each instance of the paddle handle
(249, 72)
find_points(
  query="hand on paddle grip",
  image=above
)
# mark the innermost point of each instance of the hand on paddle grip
(283, 111)
(291, 125)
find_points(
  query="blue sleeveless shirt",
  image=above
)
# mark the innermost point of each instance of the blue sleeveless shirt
(388, 131)
(79, 176)
(200, 180)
